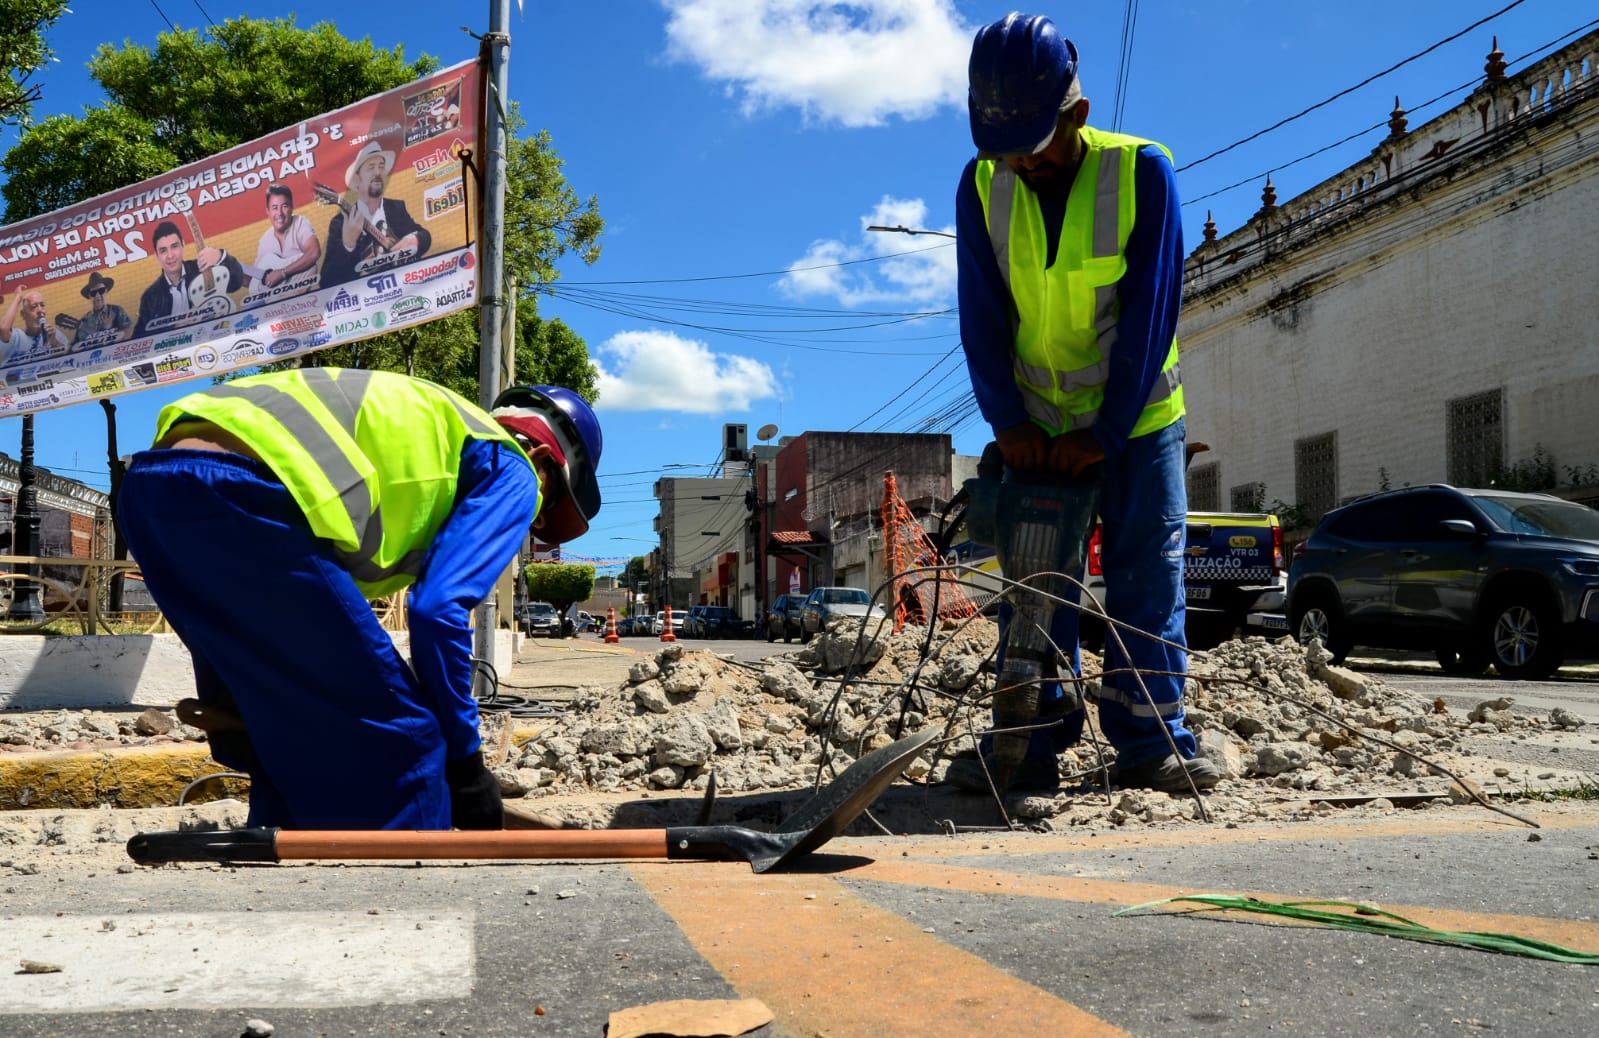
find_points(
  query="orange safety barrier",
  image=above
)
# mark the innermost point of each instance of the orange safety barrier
(611, 637)
(666, 628)
(906, 546)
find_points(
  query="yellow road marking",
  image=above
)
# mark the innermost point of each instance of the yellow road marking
(828, 962)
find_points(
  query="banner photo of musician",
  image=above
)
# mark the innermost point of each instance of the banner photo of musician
(335, 230)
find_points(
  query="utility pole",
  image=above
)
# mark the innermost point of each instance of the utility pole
(496, 48)
(25, 532)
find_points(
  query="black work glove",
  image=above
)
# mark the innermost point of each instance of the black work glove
(474, 794)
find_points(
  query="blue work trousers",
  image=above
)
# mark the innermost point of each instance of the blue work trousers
(1144, 512)
(344, 733)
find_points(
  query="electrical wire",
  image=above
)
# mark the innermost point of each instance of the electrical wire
(1349, 90)
(1256, 178)
(1124, 64)
(163, 15)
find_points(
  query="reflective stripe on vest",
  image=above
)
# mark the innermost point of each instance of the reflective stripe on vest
(343, 397)
(1061, 398)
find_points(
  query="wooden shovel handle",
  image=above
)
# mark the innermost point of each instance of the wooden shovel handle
(497, 843)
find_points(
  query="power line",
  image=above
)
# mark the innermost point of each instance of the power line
(163, 15)
(758, 274)
(1125, 64)
(1380, 125)
(1349, 90)
(206, 15)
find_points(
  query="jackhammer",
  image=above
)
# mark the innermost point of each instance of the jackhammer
(1038, 525)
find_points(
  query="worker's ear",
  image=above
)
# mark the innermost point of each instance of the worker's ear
(538, 454)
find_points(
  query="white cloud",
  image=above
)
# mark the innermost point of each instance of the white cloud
(857, 64)
(921, 272)
(660, 371)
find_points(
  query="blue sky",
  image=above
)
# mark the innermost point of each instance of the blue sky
(739, 148)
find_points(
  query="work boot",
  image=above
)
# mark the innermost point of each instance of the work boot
(1168, 774)
(1035, 774)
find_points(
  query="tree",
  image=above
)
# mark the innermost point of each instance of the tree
(560, 583)
(23, 52)
(192, 96)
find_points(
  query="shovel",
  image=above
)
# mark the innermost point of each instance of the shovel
(821, 818)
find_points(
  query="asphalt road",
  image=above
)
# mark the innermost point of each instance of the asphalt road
(923, 932)
(917, 934)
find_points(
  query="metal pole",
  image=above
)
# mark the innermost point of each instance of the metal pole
(25, 532)
(496, 48)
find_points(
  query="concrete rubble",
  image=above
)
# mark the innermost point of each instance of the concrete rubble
(1292, 733)
(1267, 712)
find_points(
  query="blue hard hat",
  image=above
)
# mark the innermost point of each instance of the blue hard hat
(563, 421)
(1020, 73)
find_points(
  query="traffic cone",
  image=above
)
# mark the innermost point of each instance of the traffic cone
(611, 637)
(666, 628)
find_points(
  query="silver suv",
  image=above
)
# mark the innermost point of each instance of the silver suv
(1478, 576)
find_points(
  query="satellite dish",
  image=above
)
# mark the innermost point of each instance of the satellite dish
(766, 432)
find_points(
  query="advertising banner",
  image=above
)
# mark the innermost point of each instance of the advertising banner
(341, 228)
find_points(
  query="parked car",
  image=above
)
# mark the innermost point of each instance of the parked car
(587, 622)
(783, 619)
(826, 604)
(678, 617)
(710, 621)
(540, 619)
(634, 624)
(1478, 576)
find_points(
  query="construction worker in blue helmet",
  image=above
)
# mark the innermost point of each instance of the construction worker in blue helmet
(1070, 260)
(272, 509)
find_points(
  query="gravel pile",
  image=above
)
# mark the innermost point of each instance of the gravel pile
(1282, 723)
(91, 730)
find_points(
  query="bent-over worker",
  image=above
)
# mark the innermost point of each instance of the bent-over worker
(272, 508)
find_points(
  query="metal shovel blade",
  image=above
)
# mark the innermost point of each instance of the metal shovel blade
(821, 818)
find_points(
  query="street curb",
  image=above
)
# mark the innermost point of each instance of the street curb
(121, 777)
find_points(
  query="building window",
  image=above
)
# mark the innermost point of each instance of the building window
(1204, 487)
(1476, 439)
(1248, 497)
(1316, 474)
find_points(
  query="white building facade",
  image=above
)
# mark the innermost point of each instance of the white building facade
(1431, 314)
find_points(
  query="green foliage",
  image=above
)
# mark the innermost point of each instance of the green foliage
(1529, 474)
(205, 93)
(23, 52)
(635, 574)
(1582, 475)
(192, 96)
(1587, 788)
(560, 583)
(1292, 517)
(65, 159)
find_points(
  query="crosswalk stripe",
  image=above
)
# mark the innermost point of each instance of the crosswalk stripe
(217, 960)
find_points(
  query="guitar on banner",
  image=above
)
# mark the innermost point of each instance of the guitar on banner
(377, 241)
(208, 293)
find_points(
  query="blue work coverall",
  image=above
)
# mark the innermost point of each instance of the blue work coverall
(1144, 503)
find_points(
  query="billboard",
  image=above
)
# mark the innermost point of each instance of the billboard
(341, 228)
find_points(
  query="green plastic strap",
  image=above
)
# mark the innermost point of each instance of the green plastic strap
(1369, 919)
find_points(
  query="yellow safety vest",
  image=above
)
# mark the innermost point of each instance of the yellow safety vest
(371, 457)
(1066, 314)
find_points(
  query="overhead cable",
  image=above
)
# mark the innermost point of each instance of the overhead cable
(1349, 90)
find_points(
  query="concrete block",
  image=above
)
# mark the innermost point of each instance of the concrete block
(109, 671)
